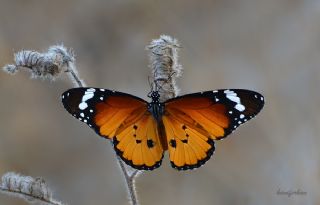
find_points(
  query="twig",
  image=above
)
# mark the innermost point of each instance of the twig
(130, 181)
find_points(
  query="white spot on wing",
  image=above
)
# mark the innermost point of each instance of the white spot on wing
(241, 116)
(87, 96)
(102, 90)
(230, 92)
(83, 105)
(81, 114)
(240, 107)
(234, 98)
(231, 95)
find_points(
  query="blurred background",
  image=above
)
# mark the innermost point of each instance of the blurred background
(272, 47)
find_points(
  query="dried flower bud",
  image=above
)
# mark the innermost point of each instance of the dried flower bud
(28, 188)
(165, 66)
(47, 65)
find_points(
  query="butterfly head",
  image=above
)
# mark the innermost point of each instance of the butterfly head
(155, 96)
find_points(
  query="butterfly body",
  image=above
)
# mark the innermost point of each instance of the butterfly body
(155, 106)
(185, 126)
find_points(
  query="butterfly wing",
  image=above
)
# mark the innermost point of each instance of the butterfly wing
(121, 117)
(193, 121)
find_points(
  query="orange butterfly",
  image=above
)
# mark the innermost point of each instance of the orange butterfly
(186, 126)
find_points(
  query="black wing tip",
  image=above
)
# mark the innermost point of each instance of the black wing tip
(130, 163)
(258, 99)
(201, 162)
(258, 102)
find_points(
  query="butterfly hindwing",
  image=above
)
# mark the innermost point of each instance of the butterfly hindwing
(121, 117)
(198, 119)
(139, 144)
(188, 147)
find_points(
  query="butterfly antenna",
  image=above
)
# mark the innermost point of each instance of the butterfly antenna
(164, 81)
(151, 84)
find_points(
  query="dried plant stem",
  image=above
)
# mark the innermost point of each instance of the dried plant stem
(74, 76)
(57, 60)
(130, 181)
(26, 196)
(128, 175)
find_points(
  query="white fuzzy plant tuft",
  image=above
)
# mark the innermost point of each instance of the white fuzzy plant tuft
(165, 66)
(58, 60)
(33, 190)
(47, 65)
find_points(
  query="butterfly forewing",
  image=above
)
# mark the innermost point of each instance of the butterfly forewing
(103, 110)
(197, 119)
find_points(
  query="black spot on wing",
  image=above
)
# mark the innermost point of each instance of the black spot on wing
(130, 163)
(150, 143)
(173, 143)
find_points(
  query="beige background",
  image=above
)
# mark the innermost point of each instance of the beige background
(269, 46)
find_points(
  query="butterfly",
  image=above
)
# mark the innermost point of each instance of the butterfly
(185, 126)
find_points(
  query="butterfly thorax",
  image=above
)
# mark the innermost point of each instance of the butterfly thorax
(155, 106)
